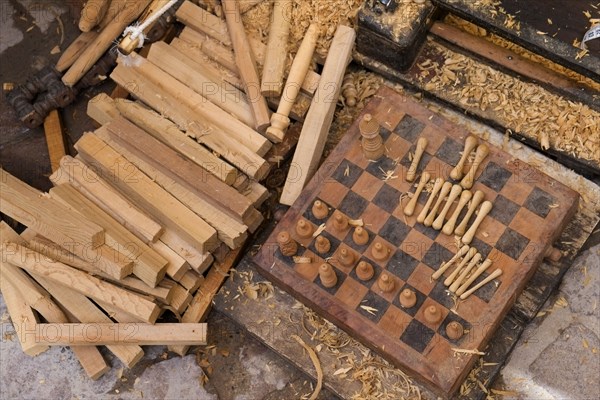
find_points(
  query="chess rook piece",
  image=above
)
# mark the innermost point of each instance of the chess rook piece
(385, 282)
(470, 254)
(470, 143)
(475, 201)
(410, 206)
(432, 314)
(349, 90)
(287, 245)
(304, 229)
(380, 251)
(480, 270)
(463, 275)
(484, 210)
(327, 275)
(437, 186)
(340, 222)
(454, 193)
(372, 143)
(322, 244)
(480, 154)
(484, 282)
(364, 271)
(446, 187)
(465, 196)
(319, 209)
(463, 250)
(454, 330)
(346, 257)
(419, 150)
(360, 236)
(408, 298)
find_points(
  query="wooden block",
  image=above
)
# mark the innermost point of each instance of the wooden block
(256, 193)
(83, 283)
(276, 55)
(197, 260)
(191, 281)
(109, 333)
(147, 193)
(87, 181)
(181, 299)
(93, 12)
(177, 266)
(148, 265)
(102, 109)
(72, 53)
(319, 117)
(54, 139)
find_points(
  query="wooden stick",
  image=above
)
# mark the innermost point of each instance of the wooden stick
(181, 299)
(470, 254)
(318, 120)
(74, 50)
(419, 150)
(129, 44)
(454, 193)
(199, 261)
(280, 120)
(465, 196)
(93, 12)
(490, 278)
(475, 201)
(246, 64)
(484, 210)
(446, 188)
(437, 186)
(480, 270)
(470, 143)
(191, 280)
(458, 281)
(461, 252)
(480, 154)
(85, 334)
(276, 55)
(177, 266)
(410, 207)
(54, 139)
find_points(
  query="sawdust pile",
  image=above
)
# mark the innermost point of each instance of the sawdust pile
(402, 20)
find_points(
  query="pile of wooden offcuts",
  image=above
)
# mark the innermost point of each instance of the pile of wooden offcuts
(155, 208)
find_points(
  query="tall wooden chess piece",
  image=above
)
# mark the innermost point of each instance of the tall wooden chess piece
(372, 143)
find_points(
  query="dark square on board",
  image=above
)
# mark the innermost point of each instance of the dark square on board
(427, 231)
(381, 167)
(495, 176)
(436, 255)
(441, 294)
(406, 161)
(348, 178)
(385, 133)
(376, 302)
(353, 205)
(387, 198)
(402, 264)
(449, 151)
(288, 260)
(512, 243)
(333, 242)
(409, 128)
(394, 230)
(504, 210)
(539, 202)
(417, 335)
(483, 248)
(452, 317)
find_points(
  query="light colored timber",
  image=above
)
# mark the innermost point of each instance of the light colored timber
(480, 154)
(92, 13)
(147, 193)
(461, 252)
(89, 182)
(198, 261)
(454, 193)
(128, 43)
(54, 139)
(191, 280)
(470, 254)
(444, 191)
(465, 196)
(129, 333)
(256, 193)
(71, 53)
(276, 55)
(484, 210)
(412, 203)
(470, 143)
(320, 115)
(477, 198)
(181, 299)
(487, 280)
(102, 109)
(82, 282)
(480, 270)
(148, 265)
(419, 150)
(177, 266)
(103, 41)
(463, 275)
(437, 186)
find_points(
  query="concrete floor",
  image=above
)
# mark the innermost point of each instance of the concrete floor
(556, 358)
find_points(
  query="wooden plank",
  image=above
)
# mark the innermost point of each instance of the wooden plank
(191, 281)
(271, 84)
(198, 261)
(148, 265)
(78, 334)
(177, 266)
(181, 299)
(256, 193)
(54, 139)
(147, 193)
(320, 115)
(85, 179)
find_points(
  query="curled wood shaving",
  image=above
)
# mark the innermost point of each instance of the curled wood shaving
(318, 231)
(301, 260)
(467, 351)
(356, 222)
(315, 360)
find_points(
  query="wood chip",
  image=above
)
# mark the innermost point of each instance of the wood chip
(315, 360)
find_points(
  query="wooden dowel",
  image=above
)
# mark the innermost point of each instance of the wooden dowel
(419, 150)
(461, 252)
(458, 281)
(470, 254)
(465, 196)
(276, 54)
(454, 193)
(480, 270)
(410, 207)
(437, 186)
(487, 280)
(93, 12)
(72, 53)
(484, 210)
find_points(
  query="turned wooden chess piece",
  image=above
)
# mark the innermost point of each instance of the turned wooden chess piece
(340, 222)
(372, 143)
(419, 150)
(304, 229)
(346, 257)
(319, 209)
(432, 314)
(322, 244)
(287, 245)
(470, 143)
(385, 282)
(364, 271)
(360, 236)
(380, 251)
(454, 330)
(408, 298)
(327, 275)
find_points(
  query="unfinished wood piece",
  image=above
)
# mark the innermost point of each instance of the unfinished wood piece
(409, 209)
(89, 183)
(470, 254)
(92, 13)
(480, 154)
(71, 53)
(181, 299)
(340, 222)
(150, 17)
(191, 281)
(465, 196)
(192, 15)
(82, 282)
(437, 186)
(162, 205)
(349, 91)
(276, 55)
(444, 191)
(408, 298)
(256, 193)
(476, 274)
(319, 117)
(484, 210)
(78, 334)
(470, 144)
(148, 265)
(199, 261)
(465, 272)
(484, 282)
(419, 150)
(476, 200)
(346, 257)
(103, 41)
(177, 266)
(280, 120)
(102, 109)
(454, 193)
(380, 251)
(327, 275)
(54, 139)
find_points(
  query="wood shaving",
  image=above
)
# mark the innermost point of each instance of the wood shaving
(356, 222)
(318, 231)
(315, 360)
(301, 260)
(467, 351)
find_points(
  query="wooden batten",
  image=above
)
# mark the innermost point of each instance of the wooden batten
(72, 53)
(54, 139)
(177, 266)
(276, 54)
(256, 193)
(181, 299)
(199, 261)
(191, 281)
(149, 195)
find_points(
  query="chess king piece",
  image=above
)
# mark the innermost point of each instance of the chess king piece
(322, 244)
(385, 282)
(372, 143)
(408, 298)
(327, 275)
(287, 245)
(319, 209)
(364, 271)
(304, 229)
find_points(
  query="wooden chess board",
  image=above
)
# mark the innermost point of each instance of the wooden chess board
(529, 211)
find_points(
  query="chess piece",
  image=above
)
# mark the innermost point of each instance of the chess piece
(470, 143)
(480, 270)
(340, 222)
(465, 196)
(319, 209)
(480, 154)
(385, 282)
(322, 244)
(475, 201)
(408, 298)
(463, 275)
(446, 187)
(360, 236)
(454, 330)
(437, 186)
(372, 143)
(364, 271)
(454, 193)
(346, 257)
(327, 275)
(380, 251)
(463, 250)
(410, 207)
(484, 210)
(349, 90)
(552, 254)
(470, 254)
(304, 229)
(287, 245)
(432, 314)
(412, 170)
(487, 280)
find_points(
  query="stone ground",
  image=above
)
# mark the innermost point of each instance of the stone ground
(557, 357)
